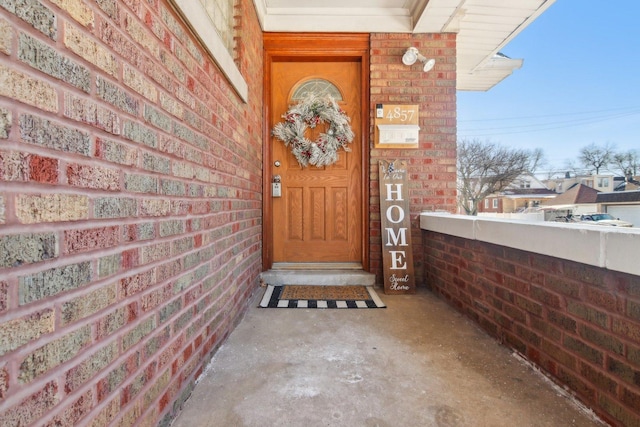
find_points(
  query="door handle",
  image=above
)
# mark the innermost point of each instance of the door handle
(276, 186)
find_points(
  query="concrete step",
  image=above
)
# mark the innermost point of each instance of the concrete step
(318, 277)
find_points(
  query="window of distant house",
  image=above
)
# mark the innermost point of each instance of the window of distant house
(486, 203)
(525, 184)
(559, 187)
(495, 203)
(603, 182)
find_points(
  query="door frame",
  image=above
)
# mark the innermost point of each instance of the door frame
(319, 47)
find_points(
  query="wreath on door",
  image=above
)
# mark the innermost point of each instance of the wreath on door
(309, 113)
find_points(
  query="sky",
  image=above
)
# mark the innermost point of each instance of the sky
(579, 84)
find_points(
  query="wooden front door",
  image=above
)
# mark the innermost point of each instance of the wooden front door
(318, 218)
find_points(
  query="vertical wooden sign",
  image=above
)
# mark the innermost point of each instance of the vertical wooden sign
(397, 256)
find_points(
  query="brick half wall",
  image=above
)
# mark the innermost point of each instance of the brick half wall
(579, 323)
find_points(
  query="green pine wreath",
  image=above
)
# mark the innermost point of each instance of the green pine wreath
(309, 113)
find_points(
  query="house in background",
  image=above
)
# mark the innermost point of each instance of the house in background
(602, 182)
(526, 191)
(624, 205)
(629, 183)
(517, 200)
(577, 200)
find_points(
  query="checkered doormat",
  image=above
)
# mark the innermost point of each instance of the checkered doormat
(308, 296)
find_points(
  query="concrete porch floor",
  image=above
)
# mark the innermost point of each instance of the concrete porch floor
(415, 363)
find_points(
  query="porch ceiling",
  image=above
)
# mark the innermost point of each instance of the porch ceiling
(483, 26)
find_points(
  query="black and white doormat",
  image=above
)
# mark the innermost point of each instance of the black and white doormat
(308, 296)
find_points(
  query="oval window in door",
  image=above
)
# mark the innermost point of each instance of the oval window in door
(319, 87)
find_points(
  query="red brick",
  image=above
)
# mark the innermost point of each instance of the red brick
(18, 332)
(585, 351)
(131, 390)
(136, 283)
(43, 169)
(4, 382)
(575, 383)
(633, 354)
(602, 381)
(633, 309)
(88, 304)
(54, 353)
(584, 273)
(616, 413)
(73, 413)
(528, 305)
(546, 329)
(547, 298)
(624, 371)
(130, 259)
(107, 414)
(631, 398)
(546, 264)
(89, 368)
(603, 339)
(4, 296)
(562, 285)
(600, 298)
(558, 354)
(153, 299)
(86, 240)
(117, 376)
(32, 407)
(560, 319)
(156, 342)
(627, 329)
(159, 386)
(93, 177)
(588, 313)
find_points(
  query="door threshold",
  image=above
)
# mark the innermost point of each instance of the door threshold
(316, 266)
(334, 277)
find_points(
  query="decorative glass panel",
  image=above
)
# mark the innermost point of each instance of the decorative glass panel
(319, 87)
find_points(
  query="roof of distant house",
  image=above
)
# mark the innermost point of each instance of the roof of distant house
(528, 191)
(619, 197)
(578, 194)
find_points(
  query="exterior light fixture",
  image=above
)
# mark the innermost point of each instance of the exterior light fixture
(412, 55)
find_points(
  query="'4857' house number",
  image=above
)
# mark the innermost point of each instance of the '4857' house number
(397, 256)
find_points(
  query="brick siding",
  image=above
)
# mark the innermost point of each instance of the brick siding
(130, 208)
(580, 324)
(432, 167)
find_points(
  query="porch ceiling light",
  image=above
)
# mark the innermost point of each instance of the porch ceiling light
(412, 55)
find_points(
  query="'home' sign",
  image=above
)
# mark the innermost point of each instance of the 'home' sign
(396, 228)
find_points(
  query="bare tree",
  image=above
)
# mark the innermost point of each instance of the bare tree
(595, 157)
(485, 168)
(627, 162)
(571, 166)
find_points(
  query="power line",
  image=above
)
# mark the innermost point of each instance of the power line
(538, 127)
(552, 115)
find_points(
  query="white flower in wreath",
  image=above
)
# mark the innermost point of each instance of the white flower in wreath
(309, 113)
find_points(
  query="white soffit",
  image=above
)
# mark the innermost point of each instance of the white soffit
(483, 26)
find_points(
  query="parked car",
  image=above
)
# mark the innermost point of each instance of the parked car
(604, 219)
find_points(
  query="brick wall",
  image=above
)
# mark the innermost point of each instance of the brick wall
(579, 323)
(432, 167)
(130, 208)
